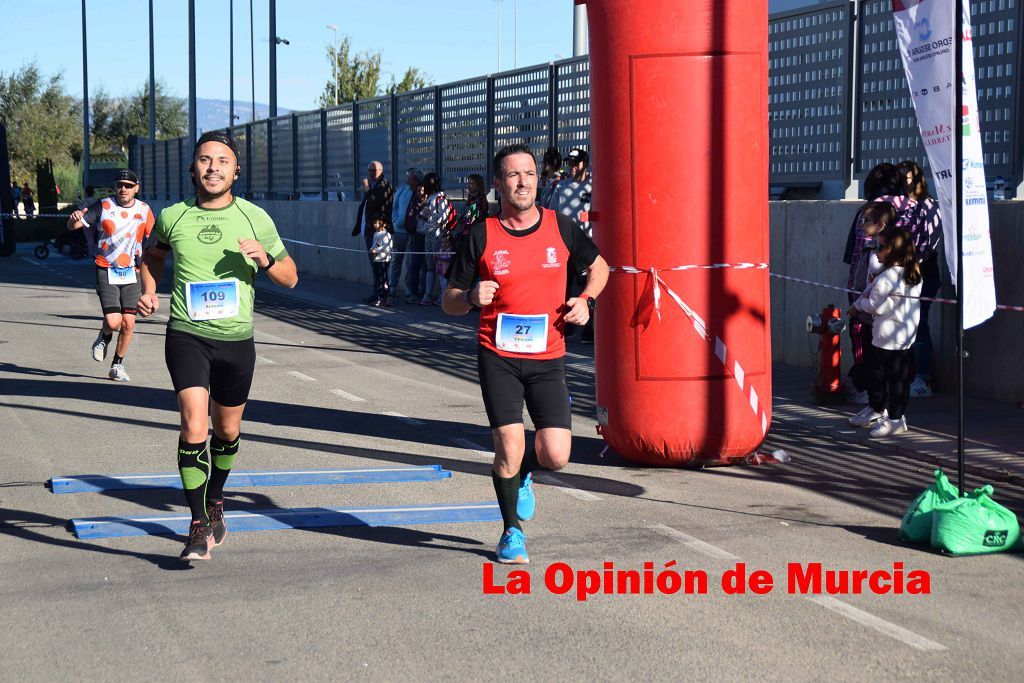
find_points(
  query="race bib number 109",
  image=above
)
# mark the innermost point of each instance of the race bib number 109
(213, 300)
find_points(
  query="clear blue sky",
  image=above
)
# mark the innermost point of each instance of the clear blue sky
(448, 39)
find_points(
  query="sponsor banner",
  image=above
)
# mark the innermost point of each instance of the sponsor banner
(925, 31)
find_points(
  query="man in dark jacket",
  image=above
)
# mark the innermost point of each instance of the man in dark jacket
(377, 195)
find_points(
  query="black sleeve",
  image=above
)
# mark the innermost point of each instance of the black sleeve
(582, 250)
(92, 214)
(465, 266)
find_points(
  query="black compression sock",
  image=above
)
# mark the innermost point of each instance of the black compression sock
(107, 337)
(117, 360)
(194, 467)
(223, 455)
(507, 491)
(530, 463)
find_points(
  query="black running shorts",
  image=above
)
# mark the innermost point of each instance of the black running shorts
(117, 298)
(507, 382)
(224, 368)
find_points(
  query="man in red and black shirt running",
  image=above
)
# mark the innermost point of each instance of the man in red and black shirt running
(521, 259)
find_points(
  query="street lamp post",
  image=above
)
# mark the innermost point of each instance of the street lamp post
(334, 28)
(273, 58)
(252, 65)
(231, 63)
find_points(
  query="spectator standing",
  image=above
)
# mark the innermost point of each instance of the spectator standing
(926, 228)
(572, 194)
(399, 207)
(15, 195)
(433, 222)
(28, 200)
(377, 200)
(476, 210)
(570, 197)
(892, 301)
(550, 175)
(380, 253)
(415, 275)
(883, 183)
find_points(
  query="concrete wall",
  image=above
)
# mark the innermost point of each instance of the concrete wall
(807, 241)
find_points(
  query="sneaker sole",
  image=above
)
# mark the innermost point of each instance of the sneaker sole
(192, 557)
(519, 559)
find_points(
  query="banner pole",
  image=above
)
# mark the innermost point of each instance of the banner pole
(958, 165)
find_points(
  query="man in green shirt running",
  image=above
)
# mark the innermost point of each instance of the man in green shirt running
(219, 241)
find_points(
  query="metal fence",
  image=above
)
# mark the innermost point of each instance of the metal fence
(833, 112)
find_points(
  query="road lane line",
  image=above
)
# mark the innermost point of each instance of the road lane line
(299, 375)
(264, 359)
(433, 387)
(474, 446)
(347, 396)
(695, 543)
(565, 488)
(881, 625)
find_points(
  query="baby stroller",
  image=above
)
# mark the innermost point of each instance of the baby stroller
(57, 236)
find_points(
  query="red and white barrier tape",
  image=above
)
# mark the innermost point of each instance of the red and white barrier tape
(650, 305)
(764, 266)
(35, 215)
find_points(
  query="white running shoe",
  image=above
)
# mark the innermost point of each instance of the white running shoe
(920, 388)
(886, 427)
(867, 417)
(99, 348)
(118, 374)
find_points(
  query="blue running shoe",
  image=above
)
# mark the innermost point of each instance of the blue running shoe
(527, 502)
(512, 547)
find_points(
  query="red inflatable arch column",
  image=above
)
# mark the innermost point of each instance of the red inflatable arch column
(679, 128)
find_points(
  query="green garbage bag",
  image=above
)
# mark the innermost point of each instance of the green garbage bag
(917, 522)
(973, 525)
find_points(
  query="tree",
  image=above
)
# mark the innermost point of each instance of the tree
(42, 122)
(413, 79)
(132, 116)
(115, 120)
(102, 109)
(359, 76)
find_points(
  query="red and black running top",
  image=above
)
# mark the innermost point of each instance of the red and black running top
(531, 268)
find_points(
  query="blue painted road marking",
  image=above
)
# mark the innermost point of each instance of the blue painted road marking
(296, 518)
(172, 480)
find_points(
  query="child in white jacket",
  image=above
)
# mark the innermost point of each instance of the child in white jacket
(892, 301)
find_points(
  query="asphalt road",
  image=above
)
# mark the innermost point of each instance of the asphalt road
(394, 603)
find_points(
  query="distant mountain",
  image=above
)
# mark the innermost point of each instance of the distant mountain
(213, 114)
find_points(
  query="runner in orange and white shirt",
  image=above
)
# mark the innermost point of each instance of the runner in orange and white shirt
(118, 227)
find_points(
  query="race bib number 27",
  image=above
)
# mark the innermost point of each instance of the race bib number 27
(212, 300)
(522, 333)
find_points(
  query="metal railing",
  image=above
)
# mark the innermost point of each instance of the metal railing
(819, 91)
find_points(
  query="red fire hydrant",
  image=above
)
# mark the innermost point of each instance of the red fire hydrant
(829, 325)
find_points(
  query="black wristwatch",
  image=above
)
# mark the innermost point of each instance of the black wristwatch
(270, 263)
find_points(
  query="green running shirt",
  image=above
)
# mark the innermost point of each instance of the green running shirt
(205, 246)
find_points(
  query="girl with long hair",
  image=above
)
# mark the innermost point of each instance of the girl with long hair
(892, 301)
